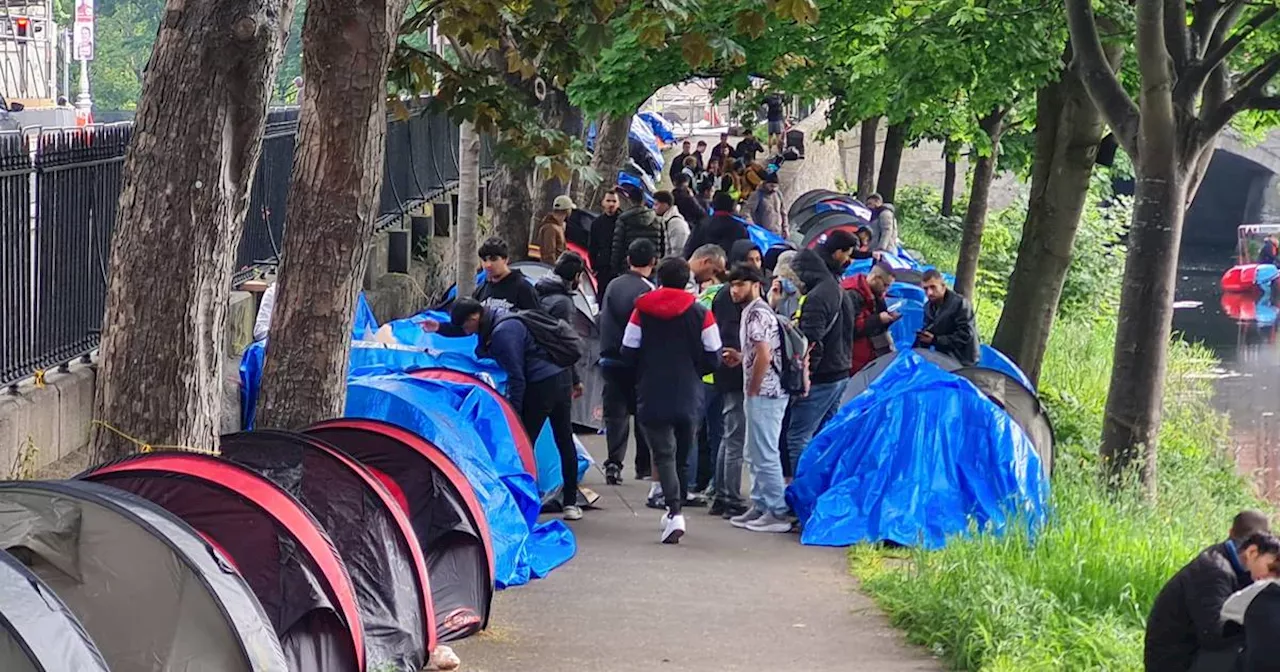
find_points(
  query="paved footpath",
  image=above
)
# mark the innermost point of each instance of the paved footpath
(722, 600)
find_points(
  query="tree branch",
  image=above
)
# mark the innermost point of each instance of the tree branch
(1264, 104)
(1250, 89)
(1099, 79)
(1175, 34)
(1220, 52)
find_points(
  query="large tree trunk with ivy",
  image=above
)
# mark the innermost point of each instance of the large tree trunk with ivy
(609, 156)
(556, 112)
(1068, 130)
(187, 177)
(333, 206)
(975, 216)
(465, 244)
(949, 179)
(895, 143)
(867, 157)
(1186, 100)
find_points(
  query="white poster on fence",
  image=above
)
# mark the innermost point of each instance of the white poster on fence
(83, 30)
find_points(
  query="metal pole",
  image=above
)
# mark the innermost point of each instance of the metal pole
(66, 65)
(84, 104)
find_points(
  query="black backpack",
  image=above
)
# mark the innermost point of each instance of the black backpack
(795, 356)
(561, 341)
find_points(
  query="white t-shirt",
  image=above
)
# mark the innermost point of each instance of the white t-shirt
(760, 325)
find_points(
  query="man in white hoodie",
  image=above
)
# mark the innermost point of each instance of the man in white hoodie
(673, 223)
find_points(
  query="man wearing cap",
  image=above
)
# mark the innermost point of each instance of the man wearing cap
(550, 235)
(764, 207)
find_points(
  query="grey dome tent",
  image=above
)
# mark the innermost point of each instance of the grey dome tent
(1021, 404)
(153, 595)
(38, 633)
(368, 528)
(276, 545)
(811, 198)
(443, 508)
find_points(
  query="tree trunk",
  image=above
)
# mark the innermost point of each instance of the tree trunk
(468, 208)
(187, 177)
(867, 157)
(895, 142)
(556, 112)
(949, 179)
(1068, 130)
(511, 205)
(609, 157)
(332, 209)
(975, 216)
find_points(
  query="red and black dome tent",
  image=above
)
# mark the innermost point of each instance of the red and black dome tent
(443, 509)
(368, 527)
(278, 547)
(38, 633)
(148, 590)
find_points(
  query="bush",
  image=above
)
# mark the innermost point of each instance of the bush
(1075, 597)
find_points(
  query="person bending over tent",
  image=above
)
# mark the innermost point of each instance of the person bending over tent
(537, 387)
(1184, 630)
(949, 325)
(673, 342)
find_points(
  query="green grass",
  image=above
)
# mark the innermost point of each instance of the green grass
(1075, 597)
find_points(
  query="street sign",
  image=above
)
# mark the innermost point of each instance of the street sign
(83, 30)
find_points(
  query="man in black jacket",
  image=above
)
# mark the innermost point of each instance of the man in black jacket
(555, 296)
(673, 342)
(619, 396)
(1185, 630)
(503, 288)
(637, 222)
(949, 325)
(677, 163)
(827, 320)
(723, 228)
(600, 243)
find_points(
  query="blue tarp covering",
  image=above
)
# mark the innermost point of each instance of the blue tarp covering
(660, 127)
(908, 300)
(641, 131)
(990, 358)
(468, 425)
(914, 460)
(762, 237)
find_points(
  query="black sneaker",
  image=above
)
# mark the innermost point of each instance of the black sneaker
(733, 511)
(717, 508)
(612, 474)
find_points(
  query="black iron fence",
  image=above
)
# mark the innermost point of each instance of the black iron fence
(58, 198)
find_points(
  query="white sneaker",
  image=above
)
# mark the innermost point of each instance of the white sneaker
(770, 523)
(672, 528)
(572, 513)
(746, 518)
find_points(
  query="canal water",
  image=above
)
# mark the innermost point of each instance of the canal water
(1241, 331)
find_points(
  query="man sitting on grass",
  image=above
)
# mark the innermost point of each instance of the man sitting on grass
(1185, 631)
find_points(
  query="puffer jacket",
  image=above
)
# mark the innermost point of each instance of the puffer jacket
(826, 318)
(635, 224)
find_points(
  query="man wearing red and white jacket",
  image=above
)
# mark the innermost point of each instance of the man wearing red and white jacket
(672, 341)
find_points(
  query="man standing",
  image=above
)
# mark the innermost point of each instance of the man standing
(827, 321)
(677, 163)
(949, 324)
(724, 149)
(885, 223)
(699, 154)
(637, 222)
(723, 229)
(1185, 630)
(675, 229)
(555, 296)
(550, 236)
(706, 265)
(765, 403)
(748, 148)
(537, 388)
(673, 342)
(619, 397)
(503, 288)
(600, 244)
(764, 206)
(776, 116)
(872, 318)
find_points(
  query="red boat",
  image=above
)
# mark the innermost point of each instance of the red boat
(1257, 243)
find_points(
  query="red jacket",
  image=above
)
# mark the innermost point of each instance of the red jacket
(867, 324)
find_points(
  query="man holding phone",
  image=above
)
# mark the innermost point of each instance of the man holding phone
(872, 318)
(950, 327)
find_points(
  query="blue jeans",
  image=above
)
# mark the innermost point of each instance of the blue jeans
(729, 457)
(809, 414)
(764, 427)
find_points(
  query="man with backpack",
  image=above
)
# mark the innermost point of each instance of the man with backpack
(537, 352)
(767, 370)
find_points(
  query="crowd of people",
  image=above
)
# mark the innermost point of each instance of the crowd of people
(714, 353)
(1217, 614)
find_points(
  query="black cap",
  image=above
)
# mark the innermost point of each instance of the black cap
(840, 239)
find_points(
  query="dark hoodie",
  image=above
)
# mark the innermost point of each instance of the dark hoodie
(508, 342)
(826, 317)
(723, 229)
(556, 299)
(672, 341)
(512, 292)
(634, 224)
(729, 318)
(600, 249)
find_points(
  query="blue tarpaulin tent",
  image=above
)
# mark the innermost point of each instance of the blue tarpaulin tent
(461, 422)
(914, 460)
(660, 127)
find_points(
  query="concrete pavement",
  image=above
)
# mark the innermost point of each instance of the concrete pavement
(723, 600)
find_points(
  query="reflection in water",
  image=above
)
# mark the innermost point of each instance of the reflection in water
(1241, 330)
